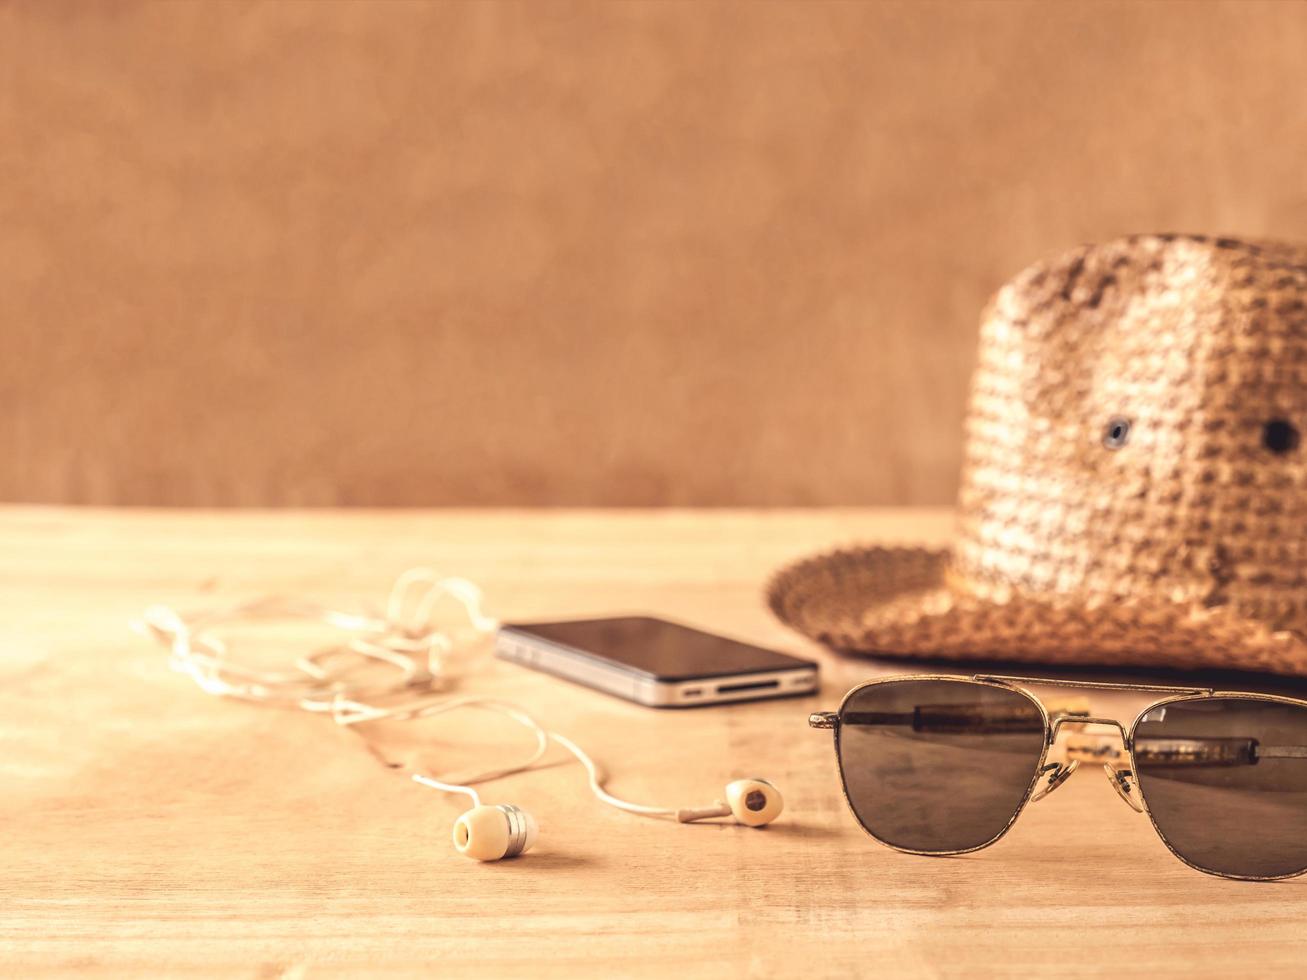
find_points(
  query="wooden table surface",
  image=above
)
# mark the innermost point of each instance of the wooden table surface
(152, 829)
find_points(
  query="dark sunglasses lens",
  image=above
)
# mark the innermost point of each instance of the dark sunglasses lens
(1226, 782)
(938, 765)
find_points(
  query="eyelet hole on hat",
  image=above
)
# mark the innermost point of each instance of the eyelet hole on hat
(1117, 432)
(1280, 436)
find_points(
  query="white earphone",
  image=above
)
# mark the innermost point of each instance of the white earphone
(414, 646)
(488, 833)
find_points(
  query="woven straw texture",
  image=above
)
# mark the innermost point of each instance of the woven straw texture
(1134, 491)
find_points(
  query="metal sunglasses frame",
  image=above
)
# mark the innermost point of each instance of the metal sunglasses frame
(1125, 782)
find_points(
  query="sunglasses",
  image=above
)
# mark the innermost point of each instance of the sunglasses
(942, 765)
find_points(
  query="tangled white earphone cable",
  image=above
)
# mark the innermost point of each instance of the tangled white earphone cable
(408, 639)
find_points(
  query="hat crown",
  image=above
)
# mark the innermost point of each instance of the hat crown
(1133, 429)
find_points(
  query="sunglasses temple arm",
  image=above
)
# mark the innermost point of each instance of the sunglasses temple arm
(982, 719)
(1281, 751)
(962, 719)
(1183, 751)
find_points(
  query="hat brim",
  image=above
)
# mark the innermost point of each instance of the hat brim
(891, 602)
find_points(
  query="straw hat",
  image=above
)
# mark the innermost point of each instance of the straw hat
(1134, 491)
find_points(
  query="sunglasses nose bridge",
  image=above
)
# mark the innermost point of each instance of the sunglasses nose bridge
(1055, 773)
(1091, 747)
(1078, 722)
(1123, 781)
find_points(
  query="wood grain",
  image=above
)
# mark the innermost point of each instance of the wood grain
(150, 829)
(577, 253)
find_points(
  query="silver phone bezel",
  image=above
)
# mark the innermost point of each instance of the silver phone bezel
(584, 668)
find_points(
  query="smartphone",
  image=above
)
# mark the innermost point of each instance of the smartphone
(655, 662)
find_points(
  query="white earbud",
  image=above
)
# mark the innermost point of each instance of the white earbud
(752, 802)
(489, 833)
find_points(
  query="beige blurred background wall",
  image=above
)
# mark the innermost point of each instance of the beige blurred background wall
(563, 253)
